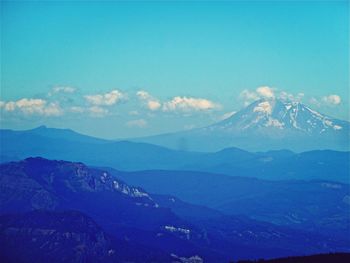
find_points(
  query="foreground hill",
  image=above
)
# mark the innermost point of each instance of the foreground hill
(42, 236)
(162, 227)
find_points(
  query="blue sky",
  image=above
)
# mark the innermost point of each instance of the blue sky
(200, 56)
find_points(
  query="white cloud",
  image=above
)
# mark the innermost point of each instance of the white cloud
(93, 111)
(177, 103)
(96, 111)
(134, 113)
(332, 99)
(248, 96)
(265, 92)
(153, 105)
(140, 123)
(264, 107)
(289, 96)
(33, 106)
(53, 109)
(10, 106)
(143, 95)
(150, 102)
(77, 109)
(188, 104)
(61, 89)
(97, 108)
(260, 92)
(30, 106)
(106, 99)
(64, 89)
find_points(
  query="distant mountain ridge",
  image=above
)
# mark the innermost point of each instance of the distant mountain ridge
(55, 133)
(266, 124)
(133, 156)
(320, 205)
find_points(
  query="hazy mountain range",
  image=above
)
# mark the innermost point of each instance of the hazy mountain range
(131, 156)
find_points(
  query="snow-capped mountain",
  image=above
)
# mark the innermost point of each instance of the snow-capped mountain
(274, 114)
(266, 124)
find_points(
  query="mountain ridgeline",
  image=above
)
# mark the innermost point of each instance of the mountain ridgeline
(131, 156)
(39, 198)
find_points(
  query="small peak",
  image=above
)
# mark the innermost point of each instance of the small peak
(34, 158)
(41, 127)
(37, 160)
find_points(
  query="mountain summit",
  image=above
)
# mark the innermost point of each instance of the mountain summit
(275, 114)
(266, 124)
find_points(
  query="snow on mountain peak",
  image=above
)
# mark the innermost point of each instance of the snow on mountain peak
(278, 114)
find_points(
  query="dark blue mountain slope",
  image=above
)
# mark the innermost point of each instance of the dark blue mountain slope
(132, 214)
